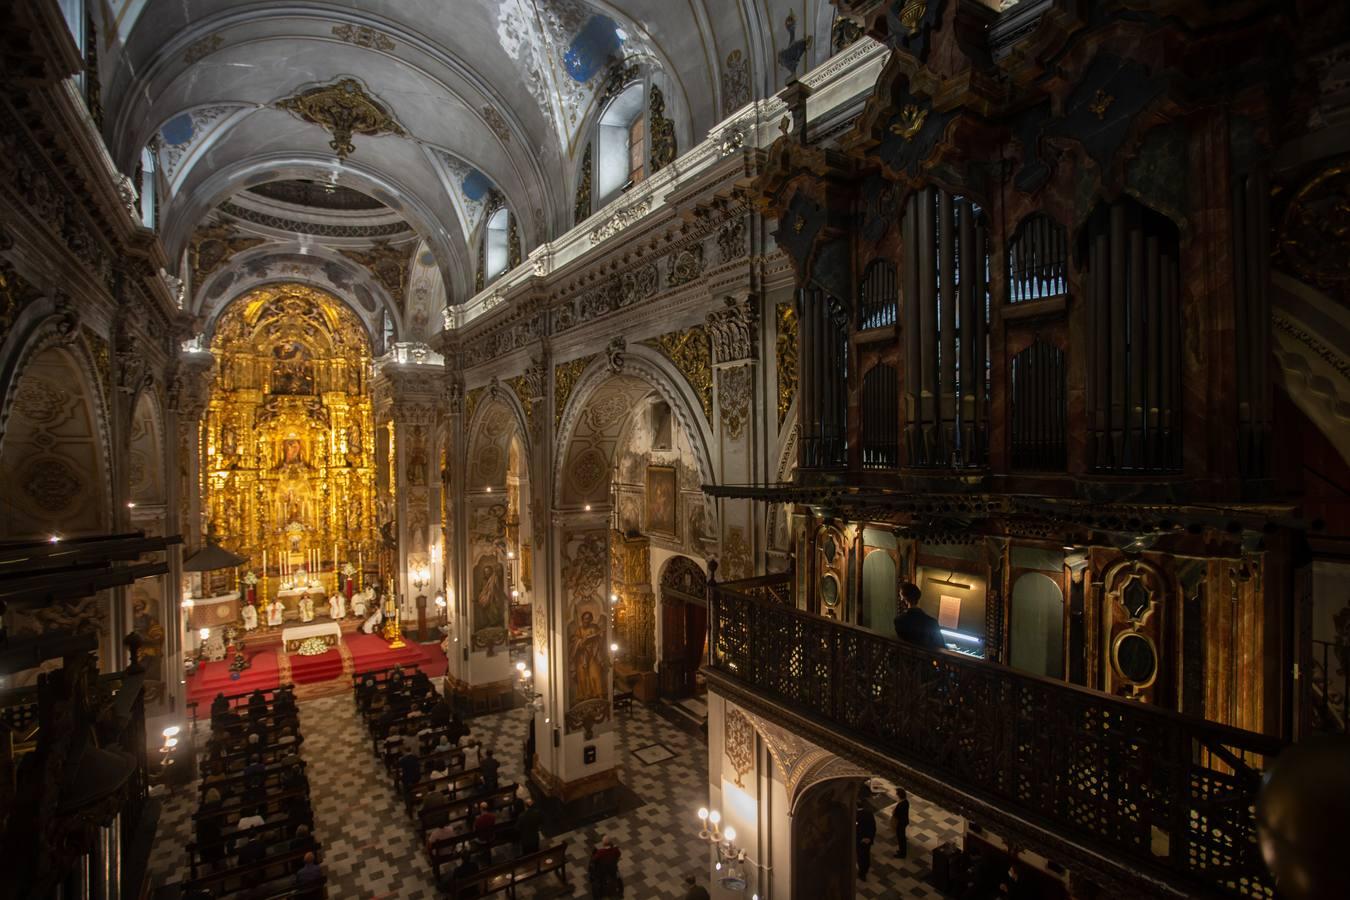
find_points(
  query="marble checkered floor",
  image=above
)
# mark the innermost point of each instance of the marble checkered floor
(370, 845)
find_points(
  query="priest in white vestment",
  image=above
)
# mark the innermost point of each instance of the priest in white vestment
(359, 600)
(336, 607)
(373, 623)
(276, 614)
(250, 614)
(306, 609)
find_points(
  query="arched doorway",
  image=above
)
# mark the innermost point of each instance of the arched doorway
(684, 627)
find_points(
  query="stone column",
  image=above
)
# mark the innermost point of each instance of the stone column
(741, 434)
(407, 395)
(187, 398)
(575, 764)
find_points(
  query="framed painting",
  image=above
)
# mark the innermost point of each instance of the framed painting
(661, 501)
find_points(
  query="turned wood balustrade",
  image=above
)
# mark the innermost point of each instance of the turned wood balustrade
(1171, 794)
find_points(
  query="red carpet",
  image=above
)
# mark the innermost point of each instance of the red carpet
(370, 651)
(214, 677)
(309, 669)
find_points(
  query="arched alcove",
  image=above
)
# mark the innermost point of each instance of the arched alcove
(1037, 627)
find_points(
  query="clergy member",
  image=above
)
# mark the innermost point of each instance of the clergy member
(359, 604)
(250, 617)
(336, 608)
(276, 613)
(372, 623)
(306, 609)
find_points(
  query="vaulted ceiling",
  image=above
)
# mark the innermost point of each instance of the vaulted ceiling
(470, 96)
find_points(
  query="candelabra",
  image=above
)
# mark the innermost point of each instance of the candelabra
(729, 856)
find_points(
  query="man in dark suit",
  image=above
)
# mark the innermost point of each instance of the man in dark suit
(527, 828)
(912, 624)
(865, 832)
(489, 766)
(900, 821)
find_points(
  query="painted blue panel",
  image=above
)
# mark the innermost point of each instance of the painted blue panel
(592, 48)
(476, 185)
(178, 130)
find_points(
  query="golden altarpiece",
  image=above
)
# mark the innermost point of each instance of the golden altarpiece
(289, 437)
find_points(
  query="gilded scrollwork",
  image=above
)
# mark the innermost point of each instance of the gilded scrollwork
(689, 351)
(738, 735)
(786, 352)
(733, 386)
(343, 109)
(581, 209)
(565, 376)
(663, 145)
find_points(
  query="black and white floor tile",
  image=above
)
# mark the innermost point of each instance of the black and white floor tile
(370, 845)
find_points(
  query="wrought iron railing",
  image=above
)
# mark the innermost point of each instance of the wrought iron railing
(1121, 778)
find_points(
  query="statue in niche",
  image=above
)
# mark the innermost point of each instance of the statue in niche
(354, 444)
(292, 372)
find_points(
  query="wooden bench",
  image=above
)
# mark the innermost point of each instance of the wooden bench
(446, 851)
(504, 877)
(623, 700)
(457, 786)
(238, 878)
(230, 812)
(466, 810)
(275, 773)
(283, 830)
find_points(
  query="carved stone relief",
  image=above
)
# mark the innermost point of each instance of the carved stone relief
(734, 388)
(739, 739)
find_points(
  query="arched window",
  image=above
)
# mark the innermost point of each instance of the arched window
(147, 188)
(495, 244)
(621, 145)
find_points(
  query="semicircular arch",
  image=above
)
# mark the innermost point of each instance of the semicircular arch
(595, 418)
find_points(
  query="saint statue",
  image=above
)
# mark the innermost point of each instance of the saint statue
(586, 651)
(250, 617)
(336, 607)
(306, 609)
(276, 614)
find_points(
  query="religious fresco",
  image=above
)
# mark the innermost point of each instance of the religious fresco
(585, 559)
(289, 464)
(489, 602)
(147, 623)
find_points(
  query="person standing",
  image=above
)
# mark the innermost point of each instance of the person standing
(900, 821)
(527, 828)
(489, 766)
(865, 832)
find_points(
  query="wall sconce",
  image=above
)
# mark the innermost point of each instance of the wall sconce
(533, 698)
(419, 576)
(440, 605)
(724, 842)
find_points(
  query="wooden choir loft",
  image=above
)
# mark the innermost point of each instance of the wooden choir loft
(1037, 381)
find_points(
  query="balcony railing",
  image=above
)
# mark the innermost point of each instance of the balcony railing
(1173, 793)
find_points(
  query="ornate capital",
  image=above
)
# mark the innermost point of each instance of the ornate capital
(732, 331)
(536, 379)
(343, 109)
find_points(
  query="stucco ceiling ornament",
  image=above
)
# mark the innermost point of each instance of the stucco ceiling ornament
(343, 109)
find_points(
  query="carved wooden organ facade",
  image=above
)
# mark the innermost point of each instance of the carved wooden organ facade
(1034, 349)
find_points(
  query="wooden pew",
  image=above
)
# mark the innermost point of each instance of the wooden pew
(232, 880)
(231, 785)
(229, 812)
(504, 877)
(466, 810)
(272, 832)
(445, 851)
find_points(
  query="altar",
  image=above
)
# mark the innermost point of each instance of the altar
(292, 636)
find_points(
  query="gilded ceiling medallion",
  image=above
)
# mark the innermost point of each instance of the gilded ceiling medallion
(343, 109)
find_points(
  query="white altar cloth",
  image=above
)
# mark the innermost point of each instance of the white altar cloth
(292, 636)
